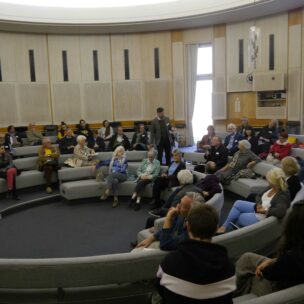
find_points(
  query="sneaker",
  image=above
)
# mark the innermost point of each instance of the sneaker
(137, 207)
(49, 189)
(115, 202)
(155, 213)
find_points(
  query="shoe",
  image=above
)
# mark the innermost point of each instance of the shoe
(133, 244)
(115, 202)
(105, 195)
(49, 190)
(155, 213)
(137, 207)
(131, 202)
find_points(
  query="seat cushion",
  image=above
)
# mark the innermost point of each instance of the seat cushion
(32, 178)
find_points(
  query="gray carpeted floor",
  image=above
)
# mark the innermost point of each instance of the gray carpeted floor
(67, 229)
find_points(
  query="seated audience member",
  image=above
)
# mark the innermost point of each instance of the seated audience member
(291, 169)
(232, 140)
(140, 140)
(185, 179)
(244, 124)
(147, 172)
(67, 143)
(48, 161)
(261, 275)
(8, 172)
(249, 134)
(210, 184)
(218, 154)
(84, 129)
(191, 273)
(267, 136)
(273, 202)
(117, 174)
(174, 230)
(62, 130)
(168, 179)
(280, 149)
(244, 160)
(97, 143)
(2, 140)
(205, 143)
(12, 140)
(106, 132)
(119, 139)
(34, 136)
(83, 155)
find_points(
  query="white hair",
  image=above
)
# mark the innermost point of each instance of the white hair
(152, 152)
(196, 197)
(185, 177)
(80, 138)
(245, 143)
(231, 126)
(119, 148)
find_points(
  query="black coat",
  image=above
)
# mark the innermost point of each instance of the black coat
(125, 143)
(99, 142)
(143, 140)
(65, 143)
(218, 155)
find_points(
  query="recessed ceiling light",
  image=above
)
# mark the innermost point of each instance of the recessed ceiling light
(86, 3)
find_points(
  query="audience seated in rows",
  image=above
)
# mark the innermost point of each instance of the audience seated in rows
(12, 139)
(117, 174)
(198, 271)
(240, 165)
(119, 139)
(83, 155)
(97, 143)
(174, 230)
(268, 135)
(140, 140)
(273, 202)
(261, 275)
(232, 140)
(249, 134)
(106, 131)
(168, 179)
(48, 161)
(8, 172)
(147, 172)
(217, 153)
(68, 142)
(34, 136)
(280, 149)
(205, 143)
(291, 169)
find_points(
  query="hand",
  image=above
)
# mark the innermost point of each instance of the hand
(250, 165)
(205, 193)
(164, 175)
(172, 212)
(262, 266)
(147, 242)
(260, 209)
(134, 146)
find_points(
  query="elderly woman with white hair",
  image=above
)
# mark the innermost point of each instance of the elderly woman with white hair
(117, 174)
(147, 172)
(273, 202)
(244, 160)
(232, 139)
(83, 156)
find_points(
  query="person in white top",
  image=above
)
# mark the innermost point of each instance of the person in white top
(273, 202)
(106, 131)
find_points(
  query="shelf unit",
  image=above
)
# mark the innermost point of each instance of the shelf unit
(271, 104)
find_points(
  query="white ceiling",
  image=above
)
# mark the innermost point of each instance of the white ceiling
(116, 16)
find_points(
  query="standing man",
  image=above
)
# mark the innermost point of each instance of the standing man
(160, 135)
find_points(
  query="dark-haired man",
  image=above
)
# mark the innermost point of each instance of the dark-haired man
(198, 271)
(160, 135)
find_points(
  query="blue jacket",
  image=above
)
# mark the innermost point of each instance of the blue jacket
(117, 166)
(235, 145)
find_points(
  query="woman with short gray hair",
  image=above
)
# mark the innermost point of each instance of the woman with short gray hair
(147, 172)
(83, 156)
(241, 164)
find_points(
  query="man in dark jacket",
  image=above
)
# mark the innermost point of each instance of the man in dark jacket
(119, 139)
(67, 143)
(218, 154)
(198, 271)
(232, 140)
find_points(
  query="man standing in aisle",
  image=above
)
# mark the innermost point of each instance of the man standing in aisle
(160, 135)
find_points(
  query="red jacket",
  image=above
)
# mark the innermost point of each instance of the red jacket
(282, 149)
